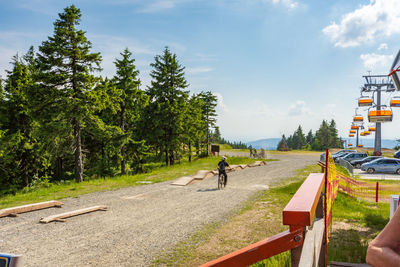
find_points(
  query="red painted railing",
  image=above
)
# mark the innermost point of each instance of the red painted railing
(299, 214)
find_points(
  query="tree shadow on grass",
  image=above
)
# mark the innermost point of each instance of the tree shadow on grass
(349, 245)
(375, 221)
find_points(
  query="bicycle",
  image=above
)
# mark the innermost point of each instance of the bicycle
(221, 181)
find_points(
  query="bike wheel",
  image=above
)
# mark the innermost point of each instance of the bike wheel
(220, 181)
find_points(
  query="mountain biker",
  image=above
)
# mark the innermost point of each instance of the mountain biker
(221, 168)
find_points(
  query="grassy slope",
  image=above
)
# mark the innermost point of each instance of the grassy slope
(46, 192)
(355, 223)
(260, 217)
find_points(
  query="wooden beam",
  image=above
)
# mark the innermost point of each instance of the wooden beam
(310, 253)
(301, 208)
(30, 207)
(261, 250)
(62, 216)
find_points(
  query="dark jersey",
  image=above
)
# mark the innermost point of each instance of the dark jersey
(222, 164)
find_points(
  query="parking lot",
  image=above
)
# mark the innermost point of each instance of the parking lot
(376, 176)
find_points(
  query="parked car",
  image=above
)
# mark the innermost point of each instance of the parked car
(386, 165)
(397, 154)
(358, 162)
(337, 154)
(352, 156)
(335, 158)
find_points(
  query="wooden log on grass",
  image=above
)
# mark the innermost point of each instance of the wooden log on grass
(14, 211)
(61, 217)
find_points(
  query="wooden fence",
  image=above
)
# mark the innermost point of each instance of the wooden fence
(306, 239)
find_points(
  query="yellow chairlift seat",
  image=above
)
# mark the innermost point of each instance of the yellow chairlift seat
(351, 135)
(353, 131)
(362, 134)
(395, 102)
(380, 115)
(354, 127)
(360, 145)
(350, 144)
(365, 102)
(367, 132)
(358, 118)
(372, 129)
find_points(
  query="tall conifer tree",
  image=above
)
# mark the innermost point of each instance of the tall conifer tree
(165, 112)
(65, 73)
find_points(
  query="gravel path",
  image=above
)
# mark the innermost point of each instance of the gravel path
(141, 221)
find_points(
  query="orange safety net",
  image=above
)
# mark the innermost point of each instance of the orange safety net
(366, 190)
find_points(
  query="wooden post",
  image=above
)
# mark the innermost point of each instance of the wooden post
(377, 192)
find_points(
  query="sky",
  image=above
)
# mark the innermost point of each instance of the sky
(273, 64)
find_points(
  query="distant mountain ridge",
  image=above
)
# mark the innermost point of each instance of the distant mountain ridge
(272, 143)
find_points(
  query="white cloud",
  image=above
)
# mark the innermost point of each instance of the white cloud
(383, 46)
(299, 108)
(160, 5)
(197, 70)
(379, 18)
(287, 3)
(376, 63)
(220, 102)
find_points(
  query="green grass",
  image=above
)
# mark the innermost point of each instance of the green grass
(48, 191)
(358, 222)
(201, 247)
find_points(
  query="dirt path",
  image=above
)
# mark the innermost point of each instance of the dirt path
(141, 221)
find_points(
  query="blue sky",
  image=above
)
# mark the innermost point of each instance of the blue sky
(274, 64)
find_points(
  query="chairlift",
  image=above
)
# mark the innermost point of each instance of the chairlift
(384, 115)
(364, 101)
(360, 145)
(367, 132)
(372, 129)
(353, 131)
(358, 118)
(354, 127)
(362, 134)
(395, 101)
(350, 144)
(351, 135)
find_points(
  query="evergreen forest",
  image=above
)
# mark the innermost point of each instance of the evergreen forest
(61, 120)
(325, 137)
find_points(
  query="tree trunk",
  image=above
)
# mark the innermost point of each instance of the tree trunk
(171, 158)
(25, 169)
(166, 156)
(78, 152)
(59, 168)
(123, 154)
(190, 151)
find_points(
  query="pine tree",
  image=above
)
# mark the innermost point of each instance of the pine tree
(65, 74)
(282, 145)
(22, 159)
(310, 137)
(131, 101)
(209, 114)
(164, 116)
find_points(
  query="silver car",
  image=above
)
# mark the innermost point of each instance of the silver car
(386, 165)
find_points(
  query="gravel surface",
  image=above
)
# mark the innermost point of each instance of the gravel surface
(141, 221)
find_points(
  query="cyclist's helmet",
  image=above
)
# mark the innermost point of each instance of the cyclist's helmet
(223, 158)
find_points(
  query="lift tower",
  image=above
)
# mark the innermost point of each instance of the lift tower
(378, 84)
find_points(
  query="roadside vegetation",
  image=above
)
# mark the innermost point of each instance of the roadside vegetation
(355, 223)
(44, 190)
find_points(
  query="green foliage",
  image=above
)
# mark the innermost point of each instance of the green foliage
(65, 65)
(59, 121)
(283, 145)
(325, 137)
